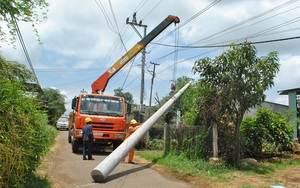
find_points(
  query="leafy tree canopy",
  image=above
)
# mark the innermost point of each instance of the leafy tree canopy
(12, 11)
(240, 75)
(179, 104)
(240, 80)
(128, 96)
(15, 72)
(55, 102)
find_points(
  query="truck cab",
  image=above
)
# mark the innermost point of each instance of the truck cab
(108, 114)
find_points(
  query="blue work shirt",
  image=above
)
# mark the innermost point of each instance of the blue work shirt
(87, 133)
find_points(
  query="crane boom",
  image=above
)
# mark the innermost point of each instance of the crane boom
(100, 84)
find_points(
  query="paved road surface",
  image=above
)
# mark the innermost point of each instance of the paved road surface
(67, 169)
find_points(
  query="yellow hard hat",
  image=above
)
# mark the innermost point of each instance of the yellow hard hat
(133, 121)
(88, 120)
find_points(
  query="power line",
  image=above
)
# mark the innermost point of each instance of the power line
(218, 35)
(152, 10)
(245, 21)
(227, 45)
(118, 31)
(200, 12)
(220, 46)
(275, 27)
(181, 25)
(108, 21)
(213, 36)
(214, 48)
(64, 70)
(25, 49)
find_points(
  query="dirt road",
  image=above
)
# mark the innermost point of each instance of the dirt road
(66, 169)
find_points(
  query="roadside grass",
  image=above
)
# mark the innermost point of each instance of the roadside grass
(221, 172)
(35, 180)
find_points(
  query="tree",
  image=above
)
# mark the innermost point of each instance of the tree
(127, 96)
(201, 108)
(240, 79)
(15, 72)
(12, 11)
(171, 113)
(55, 103)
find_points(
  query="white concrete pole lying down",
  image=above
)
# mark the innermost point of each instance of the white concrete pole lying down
(101, 171)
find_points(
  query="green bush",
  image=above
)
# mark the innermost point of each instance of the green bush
(155, 144)
(268, 133)
(25, 135)
(193, 142)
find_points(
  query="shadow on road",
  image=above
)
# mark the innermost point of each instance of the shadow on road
(97, 151)
(126, 172)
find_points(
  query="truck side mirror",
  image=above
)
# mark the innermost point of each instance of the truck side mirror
(128, 108)
(74, 101)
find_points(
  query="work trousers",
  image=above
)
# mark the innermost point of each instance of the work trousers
(87, 146)
(130, 156)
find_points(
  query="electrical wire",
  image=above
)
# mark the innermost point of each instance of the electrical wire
(181, 25)
(228, 45)
(140, 5)
(275, 27)
(236, 25)
(108, 21)
(25, 49)
(196, 15)
(127, 74)
(199, 14)
(215, 48)
(220, 33)
(151, 10)
(175, 55)
(118, 31)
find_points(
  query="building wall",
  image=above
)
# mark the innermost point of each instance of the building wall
(273, 106)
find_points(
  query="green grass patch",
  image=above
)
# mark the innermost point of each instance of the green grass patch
(181, 164)
(221, 172)
(35, 181)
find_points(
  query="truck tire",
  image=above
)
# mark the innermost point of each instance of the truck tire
(75, 146)
(69, 138)
(116, 144)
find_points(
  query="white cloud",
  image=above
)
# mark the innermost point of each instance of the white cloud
(76, 36)
(288, 76)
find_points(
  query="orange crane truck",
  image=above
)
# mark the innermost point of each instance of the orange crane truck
(108, 113)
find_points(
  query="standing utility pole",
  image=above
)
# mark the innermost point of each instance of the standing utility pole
(152, 80)
(134, 23)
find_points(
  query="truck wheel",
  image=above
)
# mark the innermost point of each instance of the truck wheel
(69, 138)
(75, 146)
(116, 144)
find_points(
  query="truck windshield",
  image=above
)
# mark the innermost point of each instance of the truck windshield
(101, 105)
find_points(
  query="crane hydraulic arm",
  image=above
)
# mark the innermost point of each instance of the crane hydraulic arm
(100, 84)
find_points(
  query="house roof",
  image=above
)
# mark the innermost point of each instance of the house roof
(286, 92)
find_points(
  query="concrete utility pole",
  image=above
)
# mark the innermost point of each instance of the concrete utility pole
(100, 172)
(152, 80)
(134, 23)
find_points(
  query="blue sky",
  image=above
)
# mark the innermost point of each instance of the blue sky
(80, 43)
